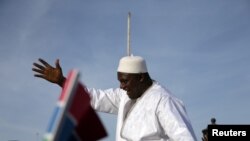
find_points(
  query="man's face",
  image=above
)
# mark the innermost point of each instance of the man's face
(130, 83)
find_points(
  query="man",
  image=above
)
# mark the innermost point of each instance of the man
(145, 109)
(205, 131)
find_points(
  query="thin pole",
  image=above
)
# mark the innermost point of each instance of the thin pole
(128, 36)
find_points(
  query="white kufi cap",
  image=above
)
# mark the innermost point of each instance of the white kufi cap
(132, 64)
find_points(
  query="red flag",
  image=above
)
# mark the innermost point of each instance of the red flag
(74, 119)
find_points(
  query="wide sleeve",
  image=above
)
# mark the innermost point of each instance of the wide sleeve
(174, 120)
(105, 100)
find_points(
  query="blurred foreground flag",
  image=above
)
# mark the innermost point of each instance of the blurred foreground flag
(73, 118)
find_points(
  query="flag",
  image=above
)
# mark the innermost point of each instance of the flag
(74, 119)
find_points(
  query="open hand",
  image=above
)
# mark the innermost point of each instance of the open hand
(49, 73)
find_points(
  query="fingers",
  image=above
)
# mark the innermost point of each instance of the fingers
(44, 63)
(43, 66)
(38, 70)
(38, 75)
(58, 64)
(39, 66)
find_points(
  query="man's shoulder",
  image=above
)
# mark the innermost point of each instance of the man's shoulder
(160, 90)
(163, 93)
(155, 93)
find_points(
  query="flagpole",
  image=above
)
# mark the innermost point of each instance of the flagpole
(128, 36)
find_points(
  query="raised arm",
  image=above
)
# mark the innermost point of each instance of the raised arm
(49, 73)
